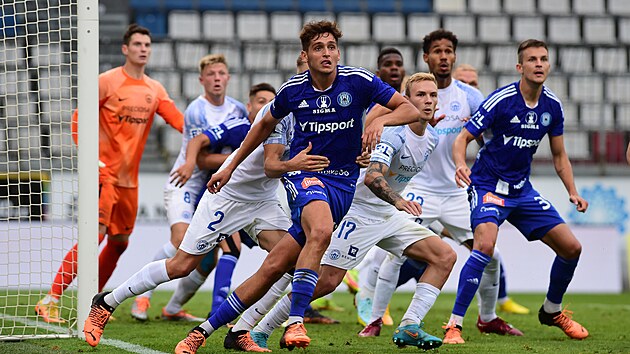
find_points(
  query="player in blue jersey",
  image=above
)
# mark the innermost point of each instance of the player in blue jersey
(513, 120)
(327, 102)
(375, 218)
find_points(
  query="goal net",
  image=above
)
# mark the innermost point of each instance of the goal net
(38, 162)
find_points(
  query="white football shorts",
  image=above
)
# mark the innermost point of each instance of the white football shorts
(217, 218)
(356, 235)
(179, 204)
(453, 212)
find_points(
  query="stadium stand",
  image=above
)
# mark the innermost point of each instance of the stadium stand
(589, 42)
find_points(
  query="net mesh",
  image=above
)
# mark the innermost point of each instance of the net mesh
(38, 174)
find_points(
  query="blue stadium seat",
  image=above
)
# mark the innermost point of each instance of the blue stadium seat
(312, 5)
(246, 5)
(214, 5)
(144, 5)
(409, 6)
(279, 5)
(381, 5)
(179, 4)
(154, 21)
(347, 6)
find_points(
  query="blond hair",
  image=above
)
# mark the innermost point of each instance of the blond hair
(466, 67)
(417, 77)
(211, 59)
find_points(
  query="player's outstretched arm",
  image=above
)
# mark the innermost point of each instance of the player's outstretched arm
(257, 134)
(375, 180)
(181, 175)
(462, 172)
(565, 171)
(210, 160)
(275, 167)
(402, 112)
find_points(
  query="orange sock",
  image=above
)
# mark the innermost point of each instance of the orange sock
(67, 271)
(108, 259)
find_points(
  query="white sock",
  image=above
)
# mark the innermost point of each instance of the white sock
(368, 274)
(275, 317)
(186, 288)
(254, 313)
(550, 307)
(385, 285)
(149, 277)
(166, 251)
(455, 319)
(207, 327)
(423, 299)
(489, 288)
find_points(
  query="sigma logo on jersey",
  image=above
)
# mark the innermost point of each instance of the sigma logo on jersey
(324, 105)
(326, 127)
(311, 181)
(530, 121)
(520, 142)
(344, 99)
(490, 198)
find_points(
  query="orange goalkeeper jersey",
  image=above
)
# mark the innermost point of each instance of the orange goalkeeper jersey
(126, 110)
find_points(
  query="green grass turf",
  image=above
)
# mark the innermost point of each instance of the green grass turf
(605, 316)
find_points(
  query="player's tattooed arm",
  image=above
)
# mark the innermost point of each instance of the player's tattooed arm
(375, 180)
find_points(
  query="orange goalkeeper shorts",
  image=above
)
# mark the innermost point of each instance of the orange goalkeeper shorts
(117, 208)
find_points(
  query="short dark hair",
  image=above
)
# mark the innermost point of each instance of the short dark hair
(263, 86)
(385, 51)
(436, 36)
(133, 29)
(315, 29)
(530, 43)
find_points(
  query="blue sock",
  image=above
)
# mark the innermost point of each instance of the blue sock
(410, 269)
(222, 280)
(469, 279)
(229, 310)
(304, 281)
(561, 274)
(502, 286)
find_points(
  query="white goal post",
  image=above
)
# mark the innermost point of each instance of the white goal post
(49, 60)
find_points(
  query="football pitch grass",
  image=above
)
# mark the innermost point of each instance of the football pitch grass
(607, 317)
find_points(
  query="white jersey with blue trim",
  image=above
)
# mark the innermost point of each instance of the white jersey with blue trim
(331, 119)
(512, 132)
(406, 154)
(199, 116)
(457, 101)
(248, 182)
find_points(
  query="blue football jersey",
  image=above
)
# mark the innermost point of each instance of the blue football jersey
(512, 132)
(331, 119)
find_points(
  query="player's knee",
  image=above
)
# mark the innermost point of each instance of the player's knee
(572, 251)
(180, 267)
(319, 236)
(273, 269)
